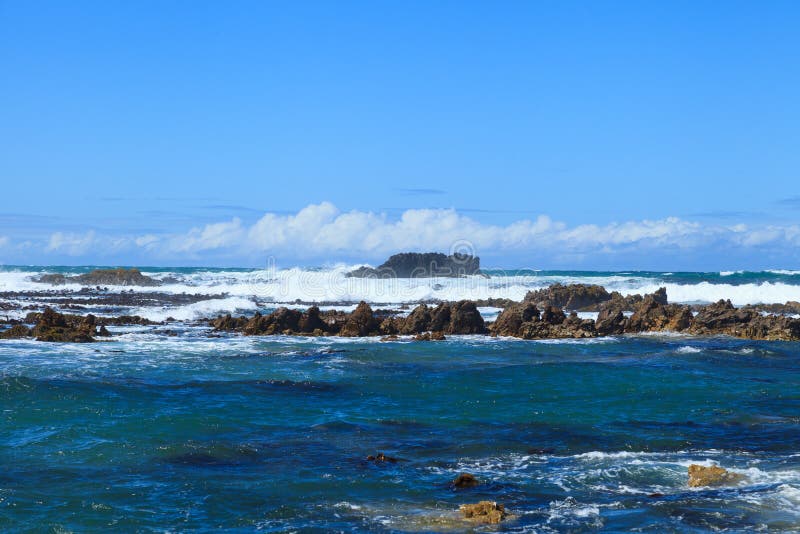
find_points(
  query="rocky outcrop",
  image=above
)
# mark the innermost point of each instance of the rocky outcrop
(610, 322)
(56, 327)
(700, 476)
(486, 512)
(102, 277)
(360, 323)
(569, 297)
(16, 332)
(417, 322)
(723, 318)
(527, 322)
(422, 265)
(654, 314)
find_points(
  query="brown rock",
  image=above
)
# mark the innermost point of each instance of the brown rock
(418, 321)
(700, 475)
(487, 512)
(571, 297)
(465, 480)
(360, 323)
(15, 332)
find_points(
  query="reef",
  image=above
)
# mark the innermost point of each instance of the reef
(422, 265)
(50, 325)
(544, 314)
(99, 277)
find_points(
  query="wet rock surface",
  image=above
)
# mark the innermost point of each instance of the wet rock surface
(486, 512)
(701, 476)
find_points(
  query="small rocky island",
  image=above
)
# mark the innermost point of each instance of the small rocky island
(422, 265)
(101, 277)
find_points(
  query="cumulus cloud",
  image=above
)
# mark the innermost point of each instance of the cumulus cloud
(322, 231)
(4, 240)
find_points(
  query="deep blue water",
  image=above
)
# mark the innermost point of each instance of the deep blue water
(191, 433)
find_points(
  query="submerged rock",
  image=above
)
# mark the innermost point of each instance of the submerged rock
(465, 480)
(381, 458)
(422, 265)
(700, 475)
(430, 336)
(487, 512)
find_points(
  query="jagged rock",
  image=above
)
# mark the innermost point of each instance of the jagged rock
(553, 316)
(16, 332)
(227, 323)
(700, 476)
(511, 319)
(610, 322)
(790, 307)
(117, 277)
(311, 321)
(465, 319)
(542, 330)
(361, 322)
(570, 297)
(418, 321)
(430, 336)
(487, 512)
(723, 318)
(654, 315)
(55, 327)
(465, 480)
(421, 265)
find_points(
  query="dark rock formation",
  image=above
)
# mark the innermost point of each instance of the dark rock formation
(418, 321)
(16, 332)
(723, 318)
(653, 314)
(360, 323)
(610, 322)
(53, 326)
(422, 265)
(465, 480)
(381, 458)
(116, 277)
(569, 297)
(525, 321)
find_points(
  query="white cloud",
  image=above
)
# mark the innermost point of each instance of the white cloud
(322, 231)
(71, 244)
(4, 240)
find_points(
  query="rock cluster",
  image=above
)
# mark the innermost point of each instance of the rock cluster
(651, 313)
(447, 318)
(581, 297)
(50, 325)
(422, 265)
(100, 277)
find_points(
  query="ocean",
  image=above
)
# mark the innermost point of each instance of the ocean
(177, 429)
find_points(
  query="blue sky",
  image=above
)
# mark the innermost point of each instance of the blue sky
(649, 135)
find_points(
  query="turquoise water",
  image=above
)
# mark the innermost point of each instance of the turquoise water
(191, 433)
